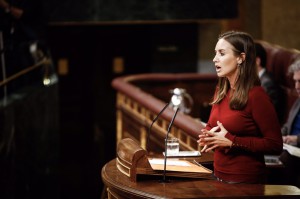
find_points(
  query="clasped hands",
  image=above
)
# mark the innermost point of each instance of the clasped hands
(214, 138)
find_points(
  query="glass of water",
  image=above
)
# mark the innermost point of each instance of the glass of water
(172, 146)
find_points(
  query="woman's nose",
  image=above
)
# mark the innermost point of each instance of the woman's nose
(297, 84)
(215, 59)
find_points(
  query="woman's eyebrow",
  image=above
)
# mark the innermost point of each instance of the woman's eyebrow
(220, 50)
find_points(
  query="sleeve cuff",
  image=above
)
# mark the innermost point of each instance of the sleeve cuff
(230, 137)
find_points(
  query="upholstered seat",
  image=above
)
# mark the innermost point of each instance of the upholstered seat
(278, 61)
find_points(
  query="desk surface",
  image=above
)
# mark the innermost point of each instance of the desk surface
(120, 186)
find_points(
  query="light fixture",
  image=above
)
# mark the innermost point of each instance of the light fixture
(181, 99)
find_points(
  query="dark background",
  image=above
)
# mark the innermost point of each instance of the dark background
(87, 100)
(90, 35)
(136, 10)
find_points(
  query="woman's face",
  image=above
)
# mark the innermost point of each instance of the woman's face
(226, 62)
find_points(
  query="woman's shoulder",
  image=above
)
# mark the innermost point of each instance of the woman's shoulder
(257, 92)
(259, 98)
(257, 89)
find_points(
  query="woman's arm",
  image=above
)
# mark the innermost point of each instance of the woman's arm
(264, 115)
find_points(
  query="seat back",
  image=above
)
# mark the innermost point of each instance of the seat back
(278, 61)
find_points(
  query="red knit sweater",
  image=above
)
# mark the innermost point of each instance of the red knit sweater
(254, 131)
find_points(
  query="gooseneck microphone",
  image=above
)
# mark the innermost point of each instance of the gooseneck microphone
(153, 121)
(167, 136)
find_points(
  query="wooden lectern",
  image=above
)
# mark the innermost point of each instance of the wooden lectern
(120, 179)
(132, 160)
(119, 186)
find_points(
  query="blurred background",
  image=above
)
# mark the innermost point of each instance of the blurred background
(55, 137)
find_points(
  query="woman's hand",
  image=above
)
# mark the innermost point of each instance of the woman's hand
(213, 139)
(205, 134)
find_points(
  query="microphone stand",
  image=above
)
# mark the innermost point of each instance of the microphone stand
(149, 130)
(167, 136)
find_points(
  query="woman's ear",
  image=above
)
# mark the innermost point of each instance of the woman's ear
(241, 58)
(257, 61)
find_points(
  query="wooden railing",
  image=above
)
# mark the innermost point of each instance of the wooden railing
(45, 61)
(141, 97)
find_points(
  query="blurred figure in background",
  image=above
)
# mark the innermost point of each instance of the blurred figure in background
(22, 24)
(291, 132)
(22, 21)
(268, 82)
(291, 129)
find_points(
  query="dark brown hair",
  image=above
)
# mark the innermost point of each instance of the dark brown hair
(247, 73)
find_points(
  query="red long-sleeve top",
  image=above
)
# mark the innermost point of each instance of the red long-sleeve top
(254, 131)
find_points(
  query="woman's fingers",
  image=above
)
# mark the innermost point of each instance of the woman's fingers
(214, 129)
(220, 125)
(210, 148)
(207, 138)
(204, 148)
(213, 138)
(222, 128)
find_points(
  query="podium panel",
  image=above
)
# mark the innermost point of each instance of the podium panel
(120, 186)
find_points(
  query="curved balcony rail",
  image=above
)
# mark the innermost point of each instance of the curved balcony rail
(141, 97)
